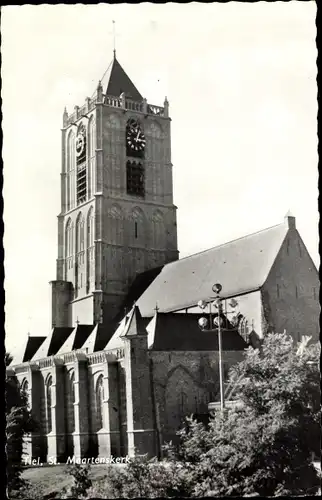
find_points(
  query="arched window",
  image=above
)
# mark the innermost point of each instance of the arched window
(69, 239)
(25, 389)
(243, 328)
(158, 231)
(91, 137)
(25, 386)
(48, 392)
(135, 178)
(91, 155)
(71, 151)
(90, 228)
(90, 249)
(183, 398)
(80, 233)
(70, 170)
(99, 402)
(70, 400)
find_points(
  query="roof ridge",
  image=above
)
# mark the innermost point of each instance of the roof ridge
(223, 244)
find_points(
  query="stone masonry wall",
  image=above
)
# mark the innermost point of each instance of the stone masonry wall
(291, 293)
(184, 383)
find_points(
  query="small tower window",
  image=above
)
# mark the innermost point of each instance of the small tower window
(136, 229)
(296, 292)
(314, 293)
(278, 290)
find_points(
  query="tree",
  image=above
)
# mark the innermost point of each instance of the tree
(265, 447)
(19, 422)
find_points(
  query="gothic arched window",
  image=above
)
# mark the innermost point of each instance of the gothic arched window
(25, 388)
(243, 328)
(70, 151)
(70, 170)
(80, 233)
(48, 393)
(90, 249)
(69, 239)
(90, 228)
(91, 155)
(70, 400)
(99, 393)
(91, 137)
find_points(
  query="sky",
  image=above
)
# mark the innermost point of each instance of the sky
(241, 82)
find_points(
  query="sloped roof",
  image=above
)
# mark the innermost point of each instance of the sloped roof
(53, 342)
(89, 344)
(116, 81)
(137, 288)
(134, 325)
(26, 350)
(104, 334)
(76, 339)
(116, 341)
(180, 332)
(240, 266)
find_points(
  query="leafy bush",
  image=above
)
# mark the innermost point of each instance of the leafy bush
(149, 479)
(81, 480)
(265, 447)
(19, 422)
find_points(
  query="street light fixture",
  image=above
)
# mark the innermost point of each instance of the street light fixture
(214, 325)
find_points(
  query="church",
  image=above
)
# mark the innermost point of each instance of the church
(125, 360)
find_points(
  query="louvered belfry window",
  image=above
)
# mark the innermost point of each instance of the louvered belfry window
(135, 178)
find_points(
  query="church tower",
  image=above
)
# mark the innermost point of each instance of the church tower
(117, 214)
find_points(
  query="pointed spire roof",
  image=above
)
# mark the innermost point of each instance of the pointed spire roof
(135, 326)
(116, 81)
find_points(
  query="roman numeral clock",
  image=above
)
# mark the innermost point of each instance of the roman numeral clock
(135, 148)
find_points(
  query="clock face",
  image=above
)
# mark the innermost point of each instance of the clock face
(135, 139)
(80, 144)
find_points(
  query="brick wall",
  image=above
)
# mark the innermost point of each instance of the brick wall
(291, 293)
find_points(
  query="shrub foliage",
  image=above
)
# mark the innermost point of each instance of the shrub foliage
(263, 448)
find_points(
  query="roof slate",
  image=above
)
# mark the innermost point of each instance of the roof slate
(118, 82)
(240, 266)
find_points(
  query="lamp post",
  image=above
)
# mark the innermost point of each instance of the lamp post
(216, 322)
